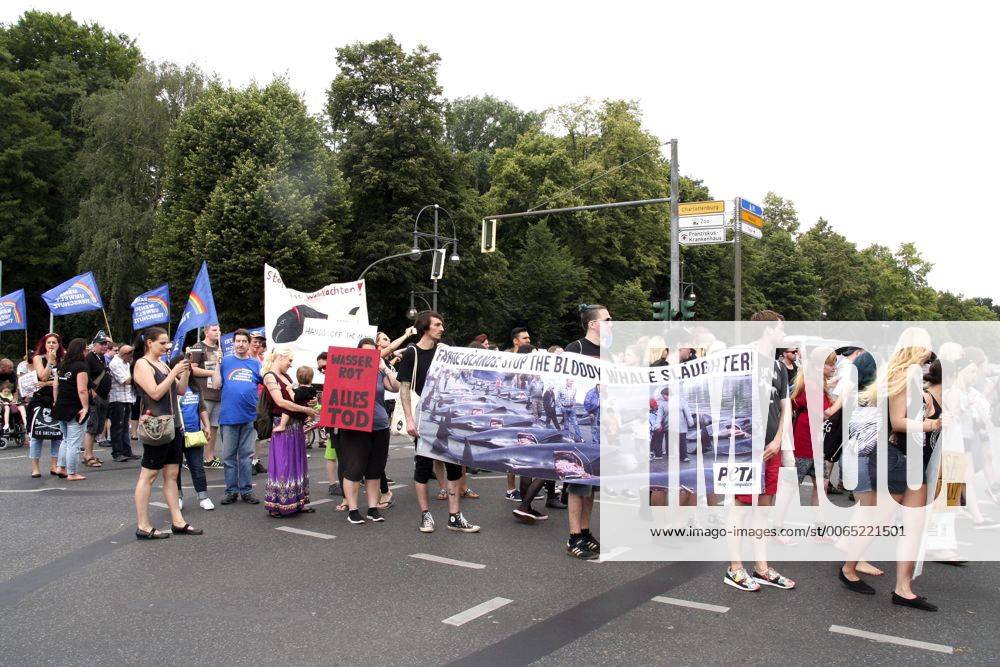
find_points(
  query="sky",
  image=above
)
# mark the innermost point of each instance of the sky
(880, 117)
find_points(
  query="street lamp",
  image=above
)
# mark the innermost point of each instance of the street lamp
(411, 312)
(436, 240)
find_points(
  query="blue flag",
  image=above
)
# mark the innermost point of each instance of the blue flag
(12, 313)
(199, 311)
(77, 295)
(151, 308)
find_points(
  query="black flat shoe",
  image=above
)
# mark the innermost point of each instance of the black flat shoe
(36, 475)
(229, 499)
(151, 534)
(249, 499)
(186, 529)
(856, 586)
(53, 473)
(918, 602)
(307, 510)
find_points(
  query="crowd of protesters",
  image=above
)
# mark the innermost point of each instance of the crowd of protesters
(212, 411)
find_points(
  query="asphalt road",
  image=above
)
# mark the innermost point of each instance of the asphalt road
(77, 588)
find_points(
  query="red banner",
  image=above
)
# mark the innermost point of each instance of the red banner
(349, 391)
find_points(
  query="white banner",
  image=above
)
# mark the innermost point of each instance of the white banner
(310, 322)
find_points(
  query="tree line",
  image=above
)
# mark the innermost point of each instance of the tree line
(139, 170)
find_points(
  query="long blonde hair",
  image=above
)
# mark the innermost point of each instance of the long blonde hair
(283, 351)
(896, 374)
(800, 377)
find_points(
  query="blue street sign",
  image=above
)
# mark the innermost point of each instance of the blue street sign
(750, 206)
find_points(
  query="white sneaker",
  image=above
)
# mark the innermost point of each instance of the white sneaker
(180, 503)
(207, 504)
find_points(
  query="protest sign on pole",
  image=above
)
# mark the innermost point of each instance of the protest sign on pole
(349, 390)
(12, 314)
(199, 311)
(76, 295)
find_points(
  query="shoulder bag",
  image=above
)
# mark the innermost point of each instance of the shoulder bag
(397, 425)
(155, 430)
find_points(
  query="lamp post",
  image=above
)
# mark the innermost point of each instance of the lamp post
(434, 239)
(411, 313)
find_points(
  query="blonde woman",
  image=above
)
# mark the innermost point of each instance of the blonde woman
(287, 489)
(896, 381)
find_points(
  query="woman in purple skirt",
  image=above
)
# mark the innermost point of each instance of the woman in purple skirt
(287, 489)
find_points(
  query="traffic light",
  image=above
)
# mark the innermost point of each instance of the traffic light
(437, 263)
(686, 306)
(661, 311)
(489, 236)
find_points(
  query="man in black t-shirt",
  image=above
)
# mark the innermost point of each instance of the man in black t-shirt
(412, 376)
(580, 499)
(100, 388)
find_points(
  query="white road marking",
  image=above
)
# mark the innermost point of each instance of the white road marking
(475, 612)
(47, 488)
(449, 561)
(890, 639)
(320, 501)
(396, 486)
(20, 456)
(307, 533)
(691, 605)
(611, 555)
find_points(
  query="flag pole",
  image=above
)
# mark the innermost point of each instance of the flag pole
(25, 341)
(107, 326)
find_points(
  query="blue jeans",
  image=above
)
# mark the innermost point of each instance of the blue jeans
(569, 419)
(69, 449)
(35, 449)
(595, 429)
(196, 466)
(237, 451)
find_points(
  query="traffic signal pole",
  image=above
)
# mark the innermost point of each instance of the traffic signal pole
(675, 248)
(738, 262)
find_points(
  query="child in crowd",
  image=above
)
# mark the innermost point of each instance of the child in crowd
(304, 394)
(10, 402)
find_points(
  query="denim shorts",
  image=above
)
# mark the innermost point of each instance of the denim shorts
(895, 470)
(864, 484)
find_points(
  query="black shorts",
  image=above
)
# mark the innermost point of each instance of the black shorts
(97, 416)
(423, 470)
(134, 416)
(362, 454)
(154, 457)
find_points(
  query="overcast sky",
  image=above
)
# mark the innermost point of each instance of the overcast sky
(879, 116)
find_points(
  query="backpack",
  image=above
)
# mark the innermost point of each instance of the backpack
(263, 421)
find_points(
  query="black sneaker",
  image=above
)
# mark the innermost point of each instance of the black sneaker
(374, 515)
(458, 522)
(229, 499)
(577, 548)
(524, 515)
(259, 468)
(555, 503)
(249, 499)
(354, 516)
(538, 515)
(591, 543)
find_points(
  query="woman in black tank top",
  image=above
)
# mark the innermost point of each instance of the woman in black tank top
(158, 386)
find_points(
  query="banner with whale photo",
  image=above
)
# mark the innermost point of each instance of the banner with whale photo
(541, 415)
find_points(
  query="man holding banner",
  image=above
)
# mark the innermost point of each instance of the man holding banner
(412, 375)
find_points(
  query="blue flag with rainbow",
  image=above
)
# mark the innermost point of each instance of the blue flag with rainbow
(77, 295)
(199, 311)
(12, 311)
(152, 307)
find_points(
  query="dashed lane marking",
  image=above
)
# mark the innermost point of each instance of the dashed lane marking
(473, 613)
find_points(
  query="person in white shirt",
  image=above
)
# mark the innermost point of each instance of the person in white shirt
(120, 402)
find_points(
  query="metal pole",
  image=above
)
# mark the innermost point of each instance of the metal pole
(434, 290)
(52, 325)
(571, 209)
(675, 248)
(738, 268)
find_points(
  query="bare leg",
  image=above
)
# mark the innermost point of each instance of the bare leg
(454, 496)
(421, 491)
(170, 494)
(372, 496)
(143, 490)
(351, 494)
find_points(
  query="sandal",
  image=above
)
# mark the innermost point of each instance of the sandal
(342, 507)
(93, 462)
(307, 510)
(276, 515)
(442, 495)
(75, 477)
(386, 501)
(186, 529)
(151, 534)
(470, 494)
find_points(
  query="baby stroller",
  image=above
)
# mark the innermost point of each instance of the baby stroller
(16, 435)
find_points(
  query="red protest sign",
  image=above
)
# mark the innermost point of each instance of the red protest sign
(349, 390)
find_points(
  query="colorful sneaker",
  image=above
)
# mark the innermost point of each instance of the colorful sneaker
(772, 578)
(459, 523)
(426, 523)
(514, 496)
(742, 580)
(215, 463)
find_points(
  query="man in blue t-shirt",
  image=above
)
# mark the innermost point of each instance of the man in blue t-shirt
(237, 412)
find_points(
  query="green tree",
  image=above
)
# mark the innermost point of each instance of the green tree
(248, 180)
(629, 302)
(386, 113)
(838, 264)
(118, 178)
(546, 287)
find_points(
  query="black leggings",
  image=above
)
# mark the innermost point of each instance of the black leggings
(530, 488)
(363, 454)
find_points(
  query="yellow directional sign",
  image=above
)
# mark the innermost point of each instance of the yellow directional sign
(701, 207)
(753, 219)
